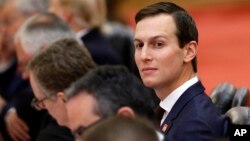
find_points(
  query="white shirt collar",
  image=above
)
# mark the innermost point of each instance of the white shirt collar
(82, 33)
(4, 66)
(171, 99)
(160, 136)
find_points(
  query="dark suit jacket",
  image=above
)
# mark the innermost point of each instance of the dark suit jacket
(121, 39)
(100, 48)
(22, 104)
(194, 118)
(10, 83)
(18, 94)
(51, 131)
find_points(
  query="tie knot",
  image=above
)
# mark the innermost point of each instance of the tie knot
(159, 113)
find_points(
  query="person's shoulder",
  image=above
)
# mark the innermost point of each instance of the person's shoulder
(53, 132)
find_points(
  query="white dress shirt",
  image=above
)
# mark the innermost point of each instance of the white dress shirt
(168, 103)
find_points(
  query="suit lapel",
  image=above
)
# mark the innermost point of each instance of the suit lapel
(188, 95)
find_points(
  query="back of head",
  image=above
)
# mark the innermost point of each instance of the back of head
(25, 8)
(60, 64)
(186, 27)
(13, 13)
(82, 12)
(119, 128)
(40, 30)
(28, 7)
(97, 10)
(115, 87)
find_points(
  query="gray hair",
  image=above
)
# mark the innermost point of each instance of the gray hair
(28, 7)
(42, 29)
(1, 2)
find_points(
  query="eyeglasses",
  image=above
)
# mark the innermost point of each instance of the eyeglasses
(81, 129)
(38, 104)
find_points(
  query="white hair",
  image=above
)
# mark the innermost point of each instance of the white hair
(40, 30)
(31, 6)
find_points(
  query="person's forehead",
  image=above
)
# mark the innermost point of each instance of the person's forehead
(159, 19)
(80, 97)
(161, 25)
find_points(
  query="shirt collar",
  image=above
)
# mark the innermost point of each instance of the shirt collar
(4, 66)
(82, 33)
(171, 99)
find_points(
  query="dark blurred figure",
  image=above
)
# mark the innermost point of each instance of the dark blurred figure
(118, 34)
(78, 16)
(37, 33)
(16, 121)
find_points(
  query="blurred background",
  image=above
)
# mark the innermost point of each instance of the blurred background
(224, 36)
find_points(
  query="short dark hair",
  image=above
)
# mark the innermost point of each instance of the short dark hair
(186, 27)
(115, 87)
(60, 64)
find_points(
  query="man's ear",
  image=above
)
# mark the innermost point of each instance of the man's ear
(126, 111)
(190, 51)
(61, 96)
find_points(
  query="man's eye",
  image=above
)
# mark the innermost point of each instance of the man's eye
(159, 44)
(139, 45)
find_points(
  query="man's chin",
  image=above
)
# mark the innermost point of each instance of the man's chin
(149, 83)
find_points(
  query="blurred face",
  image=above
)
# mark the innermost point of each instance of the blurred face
(10, 21)
(157, 53)
(23, 59)
(55, 107)
(81, 111)
(56, 8)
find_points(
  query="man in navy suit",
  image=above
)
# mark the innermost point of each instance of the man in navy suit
(81, 20)
(166, 42)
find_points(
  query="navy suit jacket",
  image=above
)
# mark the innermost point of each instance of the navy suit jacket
(100, 48)
(194, 118)
(18, 93)
(51, 131)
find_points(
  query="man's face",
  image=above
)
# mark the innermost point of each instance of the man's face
(157, 53)
(10, 22)
(23, 59)
(81, 111)
(55, 105)
(56, 8)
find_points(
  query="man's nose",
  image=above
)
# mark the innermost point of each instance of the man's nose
(146, 54)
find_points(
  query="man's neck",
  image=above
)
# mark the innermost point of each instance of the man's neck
(163, 91)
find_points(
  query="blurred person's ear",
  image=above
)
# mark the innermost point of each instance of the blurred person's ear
(61, 96)
(61, 112)
(126, 111)
(190, 51)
